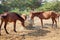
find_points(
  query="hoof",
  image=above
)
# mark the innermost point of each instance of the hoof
(7, 33)
(0, 34)
(15, 31)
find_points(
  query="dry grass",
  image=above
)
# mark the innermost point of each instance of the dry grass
(36, 33)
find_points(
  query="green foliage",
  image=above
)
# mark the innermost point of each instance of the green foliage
(3, 8)
(1, 11)
(21, 4)
(24, 6)
(15, 10)
(55, 6)
(20, 12)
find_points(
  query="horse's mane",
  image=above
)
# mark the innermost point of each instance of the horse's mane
(19, 16)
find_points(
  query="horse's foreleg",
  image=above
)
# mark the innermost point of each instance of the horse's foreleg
(52, 22)
(33, 21)
(23, 24)
(1, 26)
(15, 26)
(5, 27)
(42, 23)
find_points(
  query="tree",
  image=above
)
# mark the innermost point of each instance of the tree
(47, 6)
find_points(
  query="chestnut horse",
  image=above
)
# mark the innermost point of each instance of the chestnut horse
(10, 17)
(45, 15)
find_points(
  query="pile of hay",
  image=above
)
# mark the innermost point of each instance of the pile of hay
(28, 22)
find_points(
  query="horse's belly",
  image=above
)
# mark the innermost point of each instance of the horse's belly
(46, 16)
(10, 20)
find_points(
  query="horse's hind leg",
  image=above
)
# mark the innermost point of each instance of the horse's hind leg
(1, 26)
(15, 26)
(5, 27)
(42, 23)
(52, 22)
(55, 22)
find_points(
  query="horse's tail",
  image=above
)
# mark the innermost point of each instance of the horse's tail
(58, 18)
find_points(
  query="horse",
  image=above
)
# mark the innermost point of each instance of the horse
(10, 17)
(45, 15)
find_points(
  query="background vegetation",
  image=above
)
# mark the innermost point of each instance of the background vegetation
(25, 6)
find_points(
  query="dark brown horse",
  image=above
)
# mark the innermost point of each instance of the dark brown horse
(45, 15)
(10, 17)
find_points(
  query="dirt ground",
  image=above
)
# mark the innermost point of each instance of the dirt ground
(32, 33)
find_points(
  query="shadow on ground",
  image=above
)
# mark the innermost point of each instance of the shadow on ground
(39, 33)
(49, 25)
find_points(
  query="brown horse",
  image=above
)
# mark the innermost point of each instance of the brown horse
(10, 17)
(45, 15)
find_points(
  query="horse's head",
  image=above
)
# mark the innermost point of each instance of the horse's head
(34, 13)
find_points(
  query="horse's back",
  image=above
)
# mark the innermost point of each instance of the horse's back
(12, 16)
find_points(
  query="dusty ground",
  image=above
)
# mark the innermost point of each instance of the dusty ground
(34, 33)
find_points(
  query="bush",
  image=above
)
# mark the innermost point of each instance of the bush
(1, 11)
